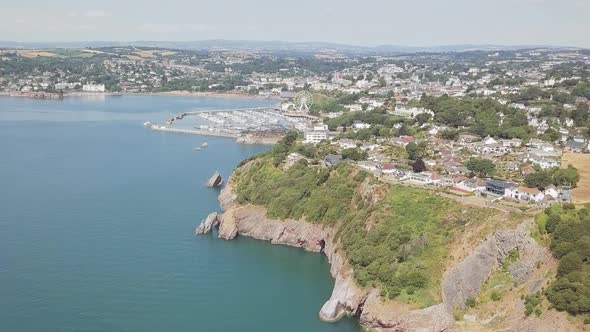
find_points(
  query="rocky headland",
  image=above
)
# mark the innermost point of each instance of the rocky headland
(460, 282)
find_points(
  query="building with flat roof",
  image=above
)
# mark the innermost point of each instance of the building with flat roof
(93, 88)
(498, 187)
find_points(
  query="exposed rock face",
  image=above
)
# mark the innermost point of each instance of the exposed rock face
(347, 297)
(215, 180)
(465, 279)
(387, 316)
(251, 221)
(228, 228)
(206, 225)
(259, 139)
(227, 197)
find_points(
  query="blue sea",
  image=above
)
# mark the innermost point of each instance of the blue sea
(97, 216)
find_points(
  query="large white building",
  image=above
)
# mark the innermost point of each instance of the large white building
(93, 88)
(410, 112)
(316, 135)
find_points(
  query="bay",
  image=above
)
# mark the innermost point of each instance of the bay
(97, 216)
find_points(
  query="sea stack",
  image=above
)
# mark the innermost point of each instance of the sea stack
(206, 225)
(215, 180)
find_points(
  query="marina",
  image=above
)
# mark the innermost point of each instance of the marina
(255, 123)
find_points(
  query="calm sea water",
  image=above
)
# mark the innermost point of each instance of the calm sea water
(97, 216)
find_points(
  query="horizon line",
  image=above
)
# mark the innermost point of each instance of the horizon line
(374, 46)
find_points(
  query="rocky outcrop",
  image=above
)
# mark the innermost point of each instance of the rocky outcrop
(259, 138)
(378, 315)
(227, 226)
(465, 279)
(215, 180)
(206, 225)
(227, 197)
(251, 221)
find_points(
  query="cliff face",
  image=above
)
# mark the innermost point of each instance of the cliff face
(464, 280)
(460, 282)
(251, 221)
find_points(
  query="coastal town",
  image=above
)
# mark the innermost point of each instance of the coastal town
(374, 166)
(494, 124)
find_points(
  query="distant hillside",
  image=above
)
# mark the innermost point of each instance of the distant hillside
(271, 46)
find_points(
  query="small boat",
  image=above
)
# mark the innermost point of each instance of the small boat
(196, 149)
(204, 145)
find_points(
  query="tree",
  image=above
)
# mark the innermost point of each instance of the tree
(566, 176)
(412, 150)
(551, 135)
(482, 167)
(580, 115)
(569, 263)
(423, 118)
(541, 179)
(418, 166)
(354, 154)
(450, 134)
(582, 248)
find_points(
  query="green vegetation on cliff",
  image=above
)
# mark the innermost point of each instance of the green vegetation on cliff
(569, 229)
(396, 238)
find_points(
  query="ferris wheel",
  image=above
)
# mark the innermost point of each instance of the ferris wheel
(303, 101)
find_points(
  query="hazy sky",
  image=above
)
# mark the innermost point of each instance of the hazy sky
(361, 22)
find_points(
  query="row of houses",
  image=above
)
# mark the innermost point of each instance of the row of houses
(513, 191)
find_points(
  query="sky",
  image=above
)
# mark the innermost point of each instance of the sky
(357, 22)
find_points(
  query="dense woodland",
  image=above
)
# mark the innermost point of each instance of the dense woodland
(482, 116)
(569, 230)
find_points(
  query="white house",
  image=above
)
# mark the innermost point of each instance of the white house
(489, 141)
(294, 156)
(541, 161)
(551, 191)
(541, 145)
(370, 166)
(361, 125)
(471, 185)
(524, 194)
(424, 177)
(347, 143)
(511, 143)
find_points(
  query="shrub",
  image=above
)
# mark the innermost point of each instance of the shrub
(470, 302)
(495, 296)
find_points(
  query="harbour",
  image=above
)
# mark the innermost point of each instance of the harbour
(262, 125)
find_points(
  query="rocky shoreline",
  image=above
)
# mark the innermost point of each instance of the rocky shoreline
(460, 282)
